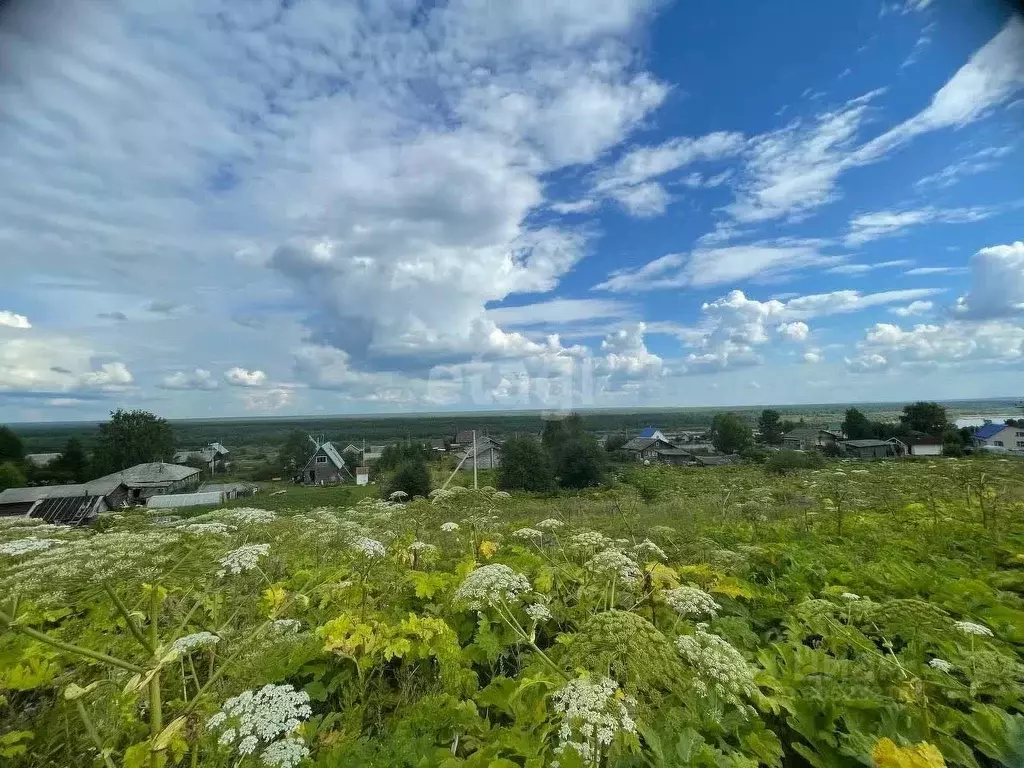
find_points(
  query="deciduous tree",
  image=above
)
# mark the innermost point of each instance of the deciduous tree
(133, 437)
(525, 466)
(730, 433)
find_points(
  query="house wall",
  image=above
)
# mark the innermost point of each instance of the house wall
(875, 452)
(1010, 438)
(322, 474)
(925, 450)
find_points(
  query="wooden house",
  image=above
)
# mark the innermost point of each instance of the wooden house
(325, 467)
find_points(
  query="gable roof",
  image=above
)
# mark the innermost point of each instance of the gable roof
(649, 431)
(988, 431)
(867, 443)
(154, 473)
(102, 486)
(639, 444)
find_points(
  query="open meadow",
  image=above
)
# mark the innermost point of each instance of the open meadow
(862, 614)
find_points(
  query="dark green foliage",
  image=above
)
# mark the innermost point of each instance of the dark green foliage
(399, 453)
(557, 432)
(857, 426)
(130, 438)
(11, 448)
(352, 459)
(785, 462)
(770, 426)
(525, 466)
(295, 452)
(730, 433)
(412, 476)
(580, 463)
(10, 476)
(73, 460)
(929, 418)
(615, 442)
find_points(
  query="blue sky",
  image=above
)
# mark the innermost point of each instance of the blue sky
(221, 209)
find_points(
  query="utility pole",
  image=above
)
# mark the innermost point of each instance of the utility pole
(474, 461)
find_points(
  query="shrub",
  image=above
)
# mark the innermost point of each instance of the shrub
(525, 466)
(784, 462)
(412, 476)
(10, 476)
(581, 463)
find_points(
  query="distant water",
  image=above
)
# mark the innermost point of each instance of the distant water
(979, 421)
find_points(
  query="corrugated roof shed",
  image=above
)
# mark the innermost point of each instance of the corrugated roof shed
(174, 500)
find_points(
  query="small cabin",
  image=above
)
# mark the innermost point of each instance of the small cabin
(325, 467)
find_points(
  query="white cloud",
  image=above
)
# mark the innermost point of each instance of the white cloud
(240, 377)
(717, 266)
(40, 364)
(865, 227)
(978, 162)
(920, 271)
(795, 331)
(861, 269)
(198, 378)
(584, 205)
(914, 308)
(558, 311)
(272, 399)
(813, 356)
(886, 345)
(9, 319)
(997, 283)
(630, 183)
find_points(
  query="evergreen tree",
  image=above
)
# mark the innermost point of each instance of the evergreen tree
(295, 452)
(73, 462)
(770, 426)
(857, 426)
(11, 448)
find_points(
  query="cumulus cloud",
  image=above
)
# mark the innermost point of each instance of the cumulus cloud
(914, 308)
(273, 399)
(795, 331)
(198, 378)
(813, 356)
(240, 377)
(9, 319)
(56, 364)
(886, 345)
(997, 283)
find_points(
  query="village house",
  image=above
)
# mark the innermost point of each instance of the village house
(646, 448)
(923, 445)
(999, 437)
(325, 467)
(871, 449)
(488, 454)
(230, 491)
(809, 438)
(213, 456)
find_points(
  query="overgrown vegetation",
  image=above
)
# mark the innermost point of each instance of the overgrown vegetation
(854, 615)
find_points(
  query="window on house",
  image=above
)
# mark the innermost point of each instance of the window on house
(1020, 434)
(999, 442)
(1020, 443)
(321, 459)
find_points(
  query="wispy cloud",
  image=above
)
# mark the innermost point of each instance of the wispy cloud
(559, 311)
(865, 227)
(978, 162)
(863, 269)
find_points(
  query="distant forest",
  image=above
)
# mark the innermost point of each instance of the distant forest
(384, 428)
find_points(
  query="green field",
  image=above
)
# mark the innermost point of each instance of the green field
(863, 614)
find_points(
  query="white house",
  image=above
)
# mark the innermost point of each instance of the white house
(923, 446)
(1000, 437)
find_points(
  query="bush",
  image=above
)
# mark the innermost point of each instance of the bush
(525, 466)
(755, 455)
(10, 476)
(581, 463)
(784, 462)
(412, 476)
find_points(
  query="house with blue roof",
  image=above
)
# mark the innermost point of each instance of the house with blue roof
(999, 437)
(653, 433)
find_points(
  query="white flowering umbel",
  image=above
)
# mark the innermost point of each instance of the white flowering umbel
(491, 586)
(593, 713)
(970, 628)
(242, 559)
(528, 534)
(538, 613)
(27, 546)
(692, 602)
(611, 562)
(267, 719)
(449, 527)
(251, 515)
(551, 524)
(942, 665)
(217, 529)
(188, 643)
(720, 669)
(648, 548)
(589, 540)
(369, 548)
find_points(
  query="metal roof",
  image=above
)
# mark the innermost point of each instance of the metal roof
(172, 500)
(155, 473)
(672, 452)
(648, 431)
(225, 487)
(100, 487)
(333, 455)
(867, 443)
(21, 495)
(988, 431)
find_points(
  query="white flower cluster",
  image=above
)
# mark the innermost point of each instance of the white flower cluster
(663, 530)
(589, 539)
(251, 515)
(648, 547)
(286, 625)
(538, 612)
(491, 584)
(398, 495)
(198, 640)
(211, 528)
(449, 527)
(941, 664)
(421, 546)
(530, 534)
(242, 559)
(592, 713)
(720, 668)
(551, 524)
(849, 596)
(370, 548)
(613, 561)
(970, 628)
(692, 602)
(267, 716)
(24, 546)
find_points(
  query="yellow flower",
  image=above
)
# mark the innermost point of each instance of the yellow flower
(924, 755)
(488, 548)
